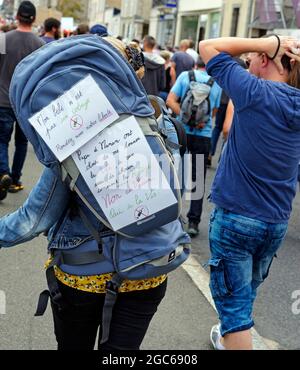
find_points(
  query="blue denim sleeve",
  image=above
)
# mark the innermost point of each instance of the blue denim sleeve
(44, 206)
(242, 87)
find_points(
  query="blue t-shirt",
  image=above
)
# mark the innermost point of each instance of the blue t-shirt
(180, 88)
(47, 39)
(257, 176)
(184, 62)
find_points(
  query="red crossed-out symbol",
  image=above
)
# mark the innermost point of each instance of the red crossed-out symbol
(76, 122)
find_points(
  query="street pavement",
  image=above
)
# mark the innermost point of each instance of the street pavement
(185, 316)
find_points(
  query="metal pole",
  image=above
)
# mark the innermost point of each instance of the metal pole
(250, 18)
(282, 14)
(176, 21)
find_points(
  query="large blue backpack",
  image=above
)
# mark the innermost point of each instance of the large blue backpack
(141, 249)
(50, 71)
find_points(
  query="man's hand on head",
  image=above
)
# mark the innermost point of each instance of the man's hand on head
(294, 53)
(283, 44)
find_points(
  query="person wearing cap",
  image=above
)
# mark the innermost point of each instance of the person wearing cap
(99, 30)
(19, 43)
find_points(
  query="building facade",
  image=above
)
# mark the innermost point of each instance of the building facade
(135, 18)
(163, 22)
(198, 20)
(112, 20)
(97, 10)
(237, 15)
(255, 18)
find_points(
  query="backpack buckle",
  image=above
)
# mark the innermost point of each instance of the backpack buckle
(112, 288)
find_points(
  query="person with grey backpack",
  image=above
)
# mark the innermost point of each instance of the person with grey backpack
(194, 98)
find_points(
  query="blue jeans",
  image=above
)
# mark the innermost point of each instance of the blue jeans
(7, 120)
(163, 95)
(242, 250)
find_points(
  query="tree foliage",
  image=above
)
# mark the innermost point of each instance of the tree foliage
(70, 8)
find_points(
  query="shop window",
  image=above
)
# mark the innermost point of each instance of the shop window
(189, 26)
(234, 21)
(214, 25)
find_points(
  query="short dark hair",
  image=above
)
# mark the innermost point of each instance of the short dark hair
(26, 12)
(82, 29)
(51, 23)
(150, 41)
(200, 63)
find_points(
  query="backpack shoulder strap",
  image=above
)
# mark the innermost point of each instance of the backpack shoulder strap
(210, 82)
(192, 76)
(112, 289)
(181, 134)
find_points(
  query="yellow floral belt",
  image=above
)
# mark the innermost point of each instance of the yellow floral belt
(97, 283)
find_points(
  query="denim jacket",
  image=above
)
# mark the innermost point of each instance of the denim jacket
(49, 210)
(45, 211)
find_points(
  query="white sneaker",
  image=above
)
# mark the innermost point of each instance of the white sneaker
(215, 337)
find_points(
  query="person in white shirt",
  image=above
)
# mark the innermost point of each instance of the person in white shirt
(191, 51)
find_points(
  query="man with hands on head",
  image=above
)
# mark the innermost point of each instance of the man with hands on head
(256, 181)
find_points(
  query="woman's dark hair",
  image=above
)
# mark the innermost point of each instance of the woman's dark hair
(294, 71)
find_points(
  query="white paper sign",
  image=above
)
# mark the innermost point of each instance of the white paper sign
(119, 167)
(74, 118)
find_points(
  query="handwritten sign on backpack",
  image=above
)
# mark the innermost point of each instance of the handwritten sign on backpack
(123, 174)
(74, 118)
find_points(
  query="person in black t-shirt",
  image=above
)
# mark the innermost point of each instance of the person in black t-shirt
(19, 43)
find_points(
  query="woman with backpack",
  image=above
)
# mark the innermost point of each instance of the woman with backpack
(77, 298)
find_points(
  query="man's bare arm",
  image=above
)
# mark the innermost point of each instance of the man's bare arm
(173, 73)
(228, 119)
(172, 102)
(236, 46)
